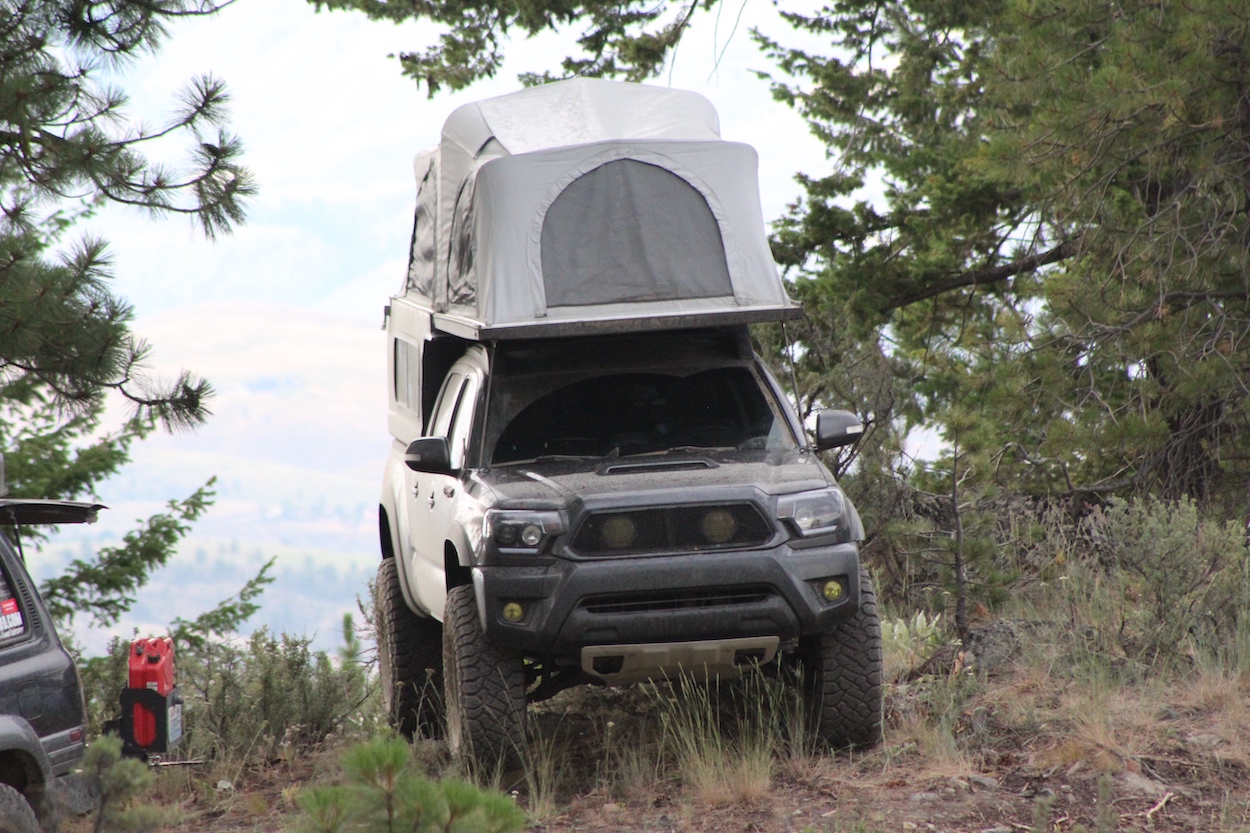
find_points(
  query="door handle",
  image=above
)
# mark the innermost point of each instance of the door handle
(431, 498)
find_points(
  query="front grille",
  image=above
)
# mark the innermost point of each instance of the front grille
(672, 529)
(675, 599)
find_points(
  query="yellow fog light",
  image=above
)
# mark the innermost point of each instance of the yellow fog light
(619, 532)
(513, 612)
(718, 526)
(833, 590)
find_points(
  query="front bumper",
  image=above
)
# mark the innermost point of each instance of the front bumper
(570, 605)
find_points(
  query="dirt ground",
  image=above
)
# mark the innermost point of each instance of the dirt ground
(838, 798)
(1186, 771)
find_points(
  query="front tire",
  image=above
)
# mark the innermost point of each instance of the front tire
(16, 815)
(485, 689)
(410, 660)
(841, 673)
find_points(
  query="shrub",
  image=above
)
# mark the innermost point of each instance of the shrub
(1140, 588)
(250, 696)
(910, 643)
(1187, 574)
(269, 691)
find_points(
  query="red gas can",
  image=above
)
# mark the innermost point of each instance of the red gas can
(151, 668)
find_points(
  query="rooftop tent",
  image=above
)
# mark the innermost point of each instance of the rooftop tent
(586, 202)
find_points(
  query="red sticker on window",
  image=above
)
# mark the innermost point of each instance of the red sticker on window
(8, 606)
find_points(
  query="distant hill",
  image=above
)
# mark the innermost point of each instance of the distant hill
(297, 440)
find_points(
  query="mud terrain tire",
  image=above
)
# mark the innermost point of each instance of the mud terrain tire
(410, 660)
(485, 689)
(16, 816)
(841, 673)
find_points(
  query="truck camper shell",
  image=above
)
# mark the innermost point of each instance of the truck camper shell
(589, 206)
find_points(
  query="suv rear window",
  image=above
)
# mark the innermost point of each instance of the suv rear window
(12, 623)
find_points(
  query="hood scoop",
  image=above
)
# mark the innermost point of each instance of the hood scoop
(652, 466)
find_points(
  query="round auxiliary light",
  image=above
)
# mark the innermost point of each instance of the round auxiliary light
(718, 526)
(619, 531)
(513, 612)
(505, 535)
(833, 590)
(804, 517)
(531, 535)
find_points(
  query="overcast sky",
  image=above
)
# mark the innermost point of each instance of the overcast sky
(283, 315)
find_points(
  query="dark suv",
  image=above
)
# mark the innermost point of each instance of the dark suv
(42, 715)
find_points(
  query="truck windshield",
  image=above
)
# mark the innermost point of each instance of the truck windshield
(623, 413)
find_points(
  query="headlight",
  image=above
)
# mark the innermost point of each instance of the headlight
(521, 530)
(813, 513)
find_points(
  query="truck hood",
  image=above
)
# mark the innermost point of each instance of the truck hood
(558, 484)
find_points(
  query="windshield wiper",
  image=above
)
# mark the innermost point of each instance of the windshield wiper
(679, 449)
(556, 458)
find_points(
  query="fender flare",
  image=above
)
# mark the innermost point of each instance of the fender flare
(388, 521)
(19, 743)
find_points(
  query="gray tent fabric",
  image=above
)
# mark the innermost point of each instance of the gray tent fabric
(589, 200)
(461, 283)
(424, 249)
(630, 231)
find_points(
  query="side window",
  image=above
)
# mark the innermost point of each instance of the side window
(462, 421)
(12, 623)
(445, 408)
(407, 381)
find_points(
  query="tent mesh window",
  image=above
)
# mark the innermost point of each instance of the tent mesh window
(629, 231)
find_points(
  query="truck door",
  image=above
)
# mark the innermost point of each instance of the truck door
(433, 519)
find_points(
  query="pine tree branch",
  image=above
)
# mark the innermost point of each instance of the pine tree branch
(984, 277)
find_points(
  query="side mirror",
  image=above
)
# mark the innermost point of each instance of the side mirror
(835, 429)
(429, 454)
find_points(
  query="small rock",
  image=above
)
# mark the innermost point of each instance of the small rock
(1136, 782)
(909, 825)
(1206, 741)
(985, 782)
(224, 786)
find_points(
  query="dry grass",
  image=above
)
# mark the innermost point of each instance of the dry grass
(723, 752)
(960, 752)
